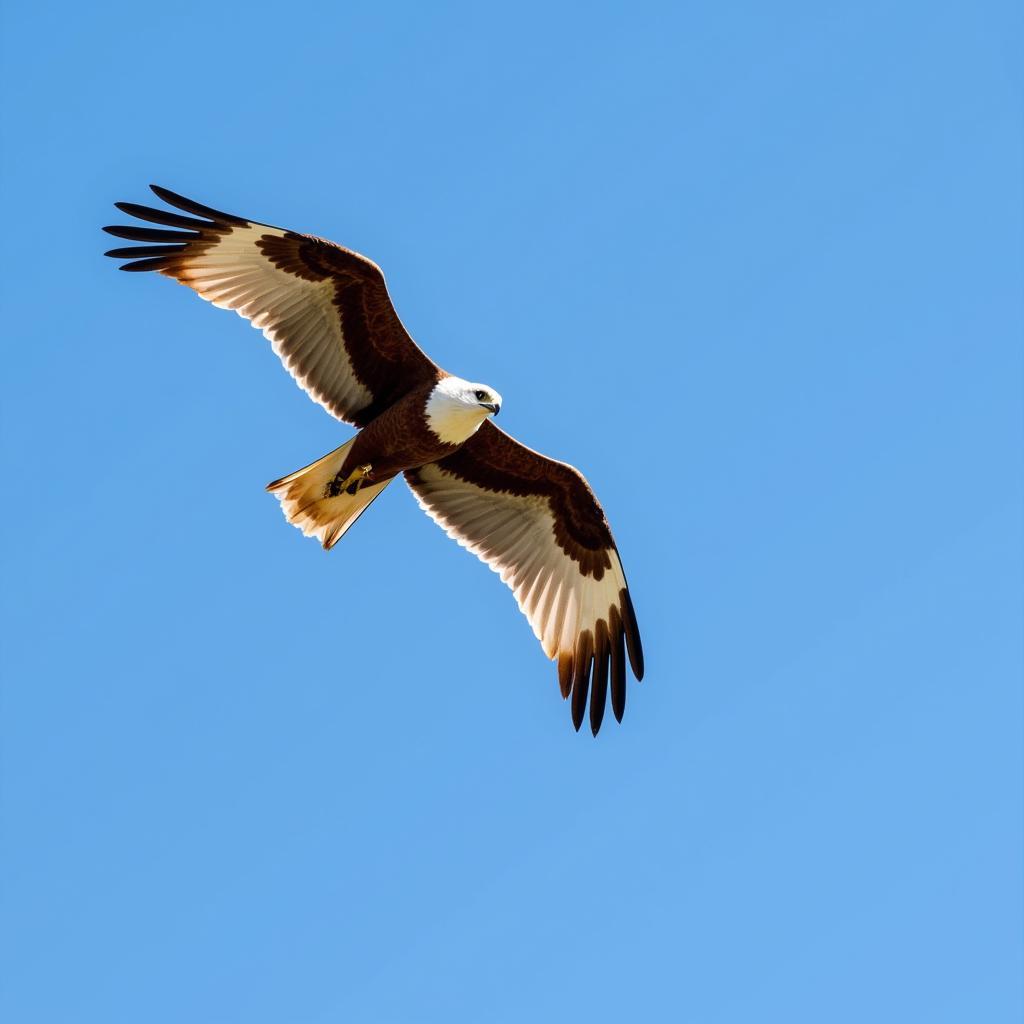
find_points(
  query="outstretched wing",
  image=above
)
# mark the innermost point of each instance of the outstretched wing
(325, 309)
(537, 523)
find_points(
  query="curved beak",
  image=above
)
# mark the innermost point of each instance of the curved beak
(493, 406)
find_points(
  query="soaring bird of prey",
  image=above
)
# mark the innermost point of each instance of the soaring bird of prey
(327, 314)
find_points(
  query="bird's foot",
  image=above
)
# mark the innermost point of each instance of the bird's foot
(351, 482)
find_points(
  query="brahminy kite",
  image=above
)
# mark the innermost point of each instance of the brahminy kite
(327, 314)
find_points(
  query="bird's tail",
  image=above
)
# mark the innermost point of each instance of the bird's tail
(308, 504)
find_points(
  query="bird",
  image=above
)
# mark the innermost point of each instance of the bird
(328, 316)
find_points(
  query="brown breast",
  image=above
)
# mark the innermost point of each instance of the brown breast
(399, 438)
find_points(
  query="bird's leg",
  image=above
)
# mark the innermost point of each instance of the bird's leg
(357, 476)
(351, 483)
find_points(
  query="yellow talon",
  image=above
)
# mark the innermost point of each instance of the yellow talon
(352, 481)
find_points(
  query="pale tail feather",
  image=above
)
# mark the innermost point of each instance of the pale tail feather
(302, 498)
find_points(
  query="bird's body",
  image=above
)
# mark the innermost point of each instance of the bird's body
(401, 438)
(327, 313)
(420, 428)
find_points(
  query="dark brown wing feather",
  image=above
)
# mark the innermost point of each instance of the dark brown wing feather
(536, 522)
(324, 308)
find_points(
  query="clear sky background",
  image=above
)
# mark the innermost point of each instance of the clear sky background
(756, 270)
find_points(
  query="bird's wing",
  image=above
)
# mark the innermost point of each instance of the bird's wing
(325, 309)
(537, 523)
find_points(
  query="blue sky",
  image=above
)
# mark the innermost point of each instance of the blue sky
(756, 270)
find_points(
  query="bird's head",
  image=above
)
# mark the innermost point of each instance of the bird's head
(486, 398)
(456, 408)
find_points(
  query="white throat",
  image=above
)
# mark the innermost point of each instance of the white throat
(449, 417)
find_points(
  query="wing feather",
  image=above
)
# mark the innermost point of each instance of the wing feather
(325, 309)
(537, 524)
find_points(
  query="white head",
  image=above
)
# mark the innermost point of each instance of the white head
(457, 407)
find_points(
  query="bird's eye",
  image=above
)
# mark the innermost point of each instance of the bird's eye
(479, 395)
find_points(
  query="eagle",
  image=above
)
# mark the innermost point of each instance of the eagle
(327, 314)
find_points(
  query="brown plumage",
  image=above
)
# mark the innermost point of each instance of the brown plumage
(327, 314)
